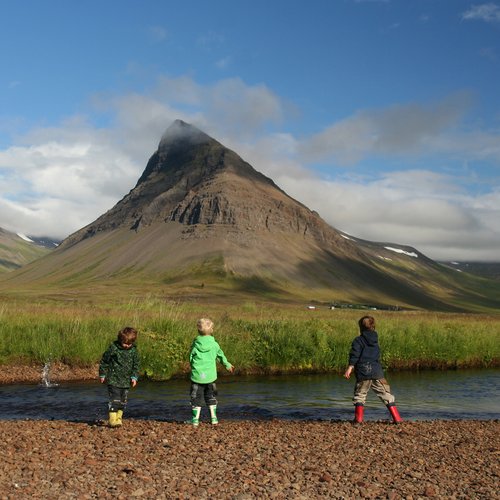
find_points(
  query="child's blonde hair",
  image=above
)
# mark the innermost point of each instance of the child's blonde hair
(205, 326)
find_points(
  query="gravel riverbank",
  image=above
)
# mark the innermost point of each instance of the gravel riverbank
(246, 460)
(32, 374)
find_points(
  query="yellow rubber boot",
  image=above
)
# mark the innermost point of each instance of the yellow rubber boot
(119, 416)
(113, 419)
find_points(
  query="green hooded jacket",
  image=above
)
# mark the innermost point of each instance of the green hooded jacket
(204, 353)
(119, 365)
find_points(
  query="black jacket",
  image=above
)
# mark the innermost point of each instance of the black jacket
(365, 356)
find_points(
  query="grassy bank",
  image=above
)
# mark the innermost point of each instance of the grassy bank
(256, 338)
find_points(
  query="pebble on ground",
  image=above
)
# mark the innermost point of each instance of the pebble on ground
(249, 459)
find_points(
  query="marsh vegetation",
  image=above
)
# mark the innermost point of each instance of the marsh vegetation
(257, 338)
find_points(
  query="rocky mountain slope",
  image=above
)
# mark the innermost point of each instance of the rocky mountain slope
(202, 221)
(194, 181)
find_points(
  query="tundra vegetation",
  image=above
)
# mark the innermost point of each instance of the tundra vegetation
(257, 338)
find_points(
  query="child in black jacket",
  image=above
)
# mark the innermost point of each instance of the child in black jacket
(364, 359)
(119, 368)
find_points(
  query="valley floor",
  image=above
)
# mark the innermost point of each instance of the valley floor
(246, 460)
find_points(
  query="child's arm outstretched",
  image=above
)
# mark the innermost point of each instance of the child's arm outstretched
(222, 359)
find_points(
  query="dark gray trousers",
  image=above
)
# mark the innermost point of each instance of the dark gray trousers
(117, 398)
(200, 392)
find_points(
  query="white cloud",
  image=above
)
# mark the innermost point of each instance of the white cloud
(440, 223)
(229, 105)
(488, 12)
(62, 181)
(247, 108)
(403, 129)
(55, 180)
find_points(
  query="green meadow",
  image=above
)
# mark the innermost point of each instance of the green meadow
(256, 338)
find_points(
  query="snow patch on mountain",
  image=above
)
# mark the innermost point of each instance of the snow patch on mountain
(347, 237)
(400, 250)
(24, 237)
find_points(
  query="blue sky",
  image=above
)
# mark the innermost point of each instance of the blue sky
(382, 115)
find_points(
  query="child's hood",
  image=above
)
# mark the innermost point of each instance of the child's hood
(370, 337)
(204, 343)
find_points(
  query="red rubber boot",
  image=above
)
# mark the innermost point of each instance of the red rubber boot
(358, 413)
(394, 413)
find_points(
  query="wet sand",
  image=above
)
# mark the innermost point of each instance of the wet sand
(246, 460)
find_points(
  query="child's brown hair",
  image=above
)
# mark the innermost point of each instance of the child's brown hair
(366, 323)
(127, 335)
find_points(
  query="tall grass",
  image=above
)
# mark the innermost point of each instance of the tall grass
(441, 343)
(254, 338)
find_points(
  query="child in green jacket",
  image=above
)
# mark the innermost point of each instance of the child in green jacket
(205, 351)
(119, 367)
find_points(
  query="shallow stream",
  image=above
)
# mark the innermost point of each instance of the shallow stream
(427, 395)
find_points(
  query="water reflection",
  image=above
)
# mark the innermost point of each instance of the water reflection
(467, 394)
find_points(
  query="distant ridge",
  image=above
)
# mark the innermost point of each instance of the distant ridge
(201, 221)
(490, 270)
(17, 250)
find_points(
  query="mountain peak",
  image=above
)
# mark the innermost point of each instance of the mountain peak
(182, 134)
(194, 180)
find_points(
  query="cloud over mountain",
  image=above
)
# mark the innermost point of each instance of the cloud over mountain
(78, 168)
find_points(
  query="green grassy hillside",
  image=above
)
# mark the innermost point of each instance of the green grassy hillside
(16, 252)
(160, 262)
